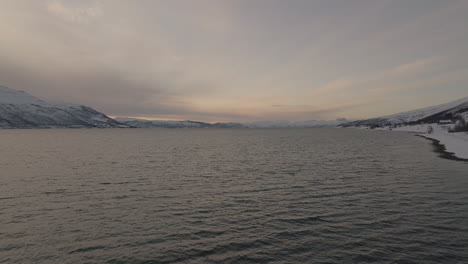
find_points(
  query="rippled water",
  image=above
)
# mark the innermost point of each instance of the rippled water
(229, 196)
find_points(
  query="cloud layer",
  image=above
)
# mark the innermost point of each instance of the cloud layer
(237, 60)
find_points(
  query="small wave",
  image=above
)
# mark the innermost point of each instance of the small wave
(301, 220)
(86, 249)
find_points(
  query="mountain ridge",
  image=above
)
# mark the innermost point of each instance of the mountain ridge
(19, 109)
(457, 109)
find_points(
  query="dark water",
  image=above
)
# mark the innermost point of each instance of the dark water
(229, 196)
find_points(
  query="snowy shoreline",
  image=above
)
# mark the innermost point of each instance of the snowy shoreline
(455, 144)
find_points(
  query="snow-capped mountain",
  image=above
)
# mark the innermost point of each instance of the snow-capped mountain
(142, 123)
(454, 110)
(19, 109)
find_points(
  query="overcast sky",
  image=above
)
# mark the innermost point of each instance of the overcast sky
(237, 60)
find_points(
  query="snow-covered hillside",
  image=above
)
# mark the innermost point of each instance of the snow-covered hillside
(19, 109)
(455, 109)
(445, 123)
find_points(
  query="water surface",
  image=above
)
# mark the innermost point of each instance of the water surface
(229, 196)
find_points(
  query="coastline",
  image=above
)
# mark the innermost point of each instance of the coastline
(441, 149)
(451, 145)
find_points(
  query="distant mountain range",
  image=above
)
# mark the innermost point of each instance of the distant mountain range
(143, 123)
(19, 109)
(456, 110)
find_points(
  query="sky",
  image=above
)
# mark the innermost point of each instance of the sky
(237, 60)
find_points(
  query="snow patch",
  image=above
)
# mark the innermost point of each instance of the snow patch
(456, 143)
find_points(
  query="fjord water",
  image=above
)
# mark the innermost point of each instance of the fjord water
(229, 196)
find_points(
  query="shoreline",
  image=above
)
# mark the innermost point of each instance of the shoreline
(441, 149)
(450, 145)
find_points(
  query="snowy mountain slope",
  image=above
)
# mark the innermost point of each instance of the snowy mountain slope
(142, 123)
(418, 114)
(458, 112)
(458, 108)
(22, 110)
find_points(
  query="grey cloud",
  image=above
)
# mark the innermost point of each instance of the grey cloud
(107, 91)
(197, 58)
